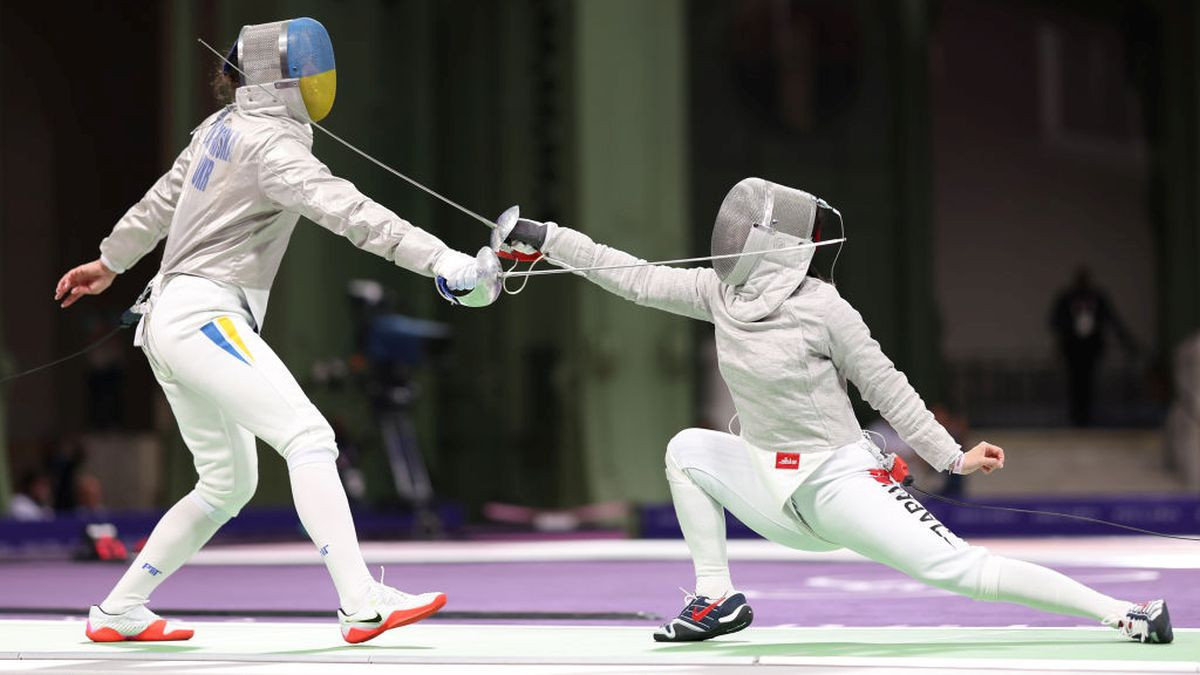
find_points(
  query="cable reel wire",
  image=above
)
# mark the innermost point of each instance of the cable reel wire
(105, 338)
(362, 153)
(1056, 514)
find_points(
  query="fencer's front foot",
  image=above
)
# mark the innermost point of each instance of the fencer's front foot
(137, 625)
(1147, 622)
(703, 618)
(386, 608)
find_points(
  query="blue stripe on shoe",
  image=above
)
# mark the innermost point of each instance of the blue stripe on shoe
(210, 329)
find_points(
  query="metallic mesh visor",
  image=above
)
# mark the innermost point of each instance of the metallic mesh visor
(749, 205)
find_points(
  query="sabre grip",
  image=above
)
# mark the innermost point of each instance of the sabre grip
(528, 232)
(444, 290)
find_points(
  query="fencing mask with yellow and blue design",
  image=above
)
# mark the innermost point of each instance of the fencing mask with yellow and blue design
(295, 58)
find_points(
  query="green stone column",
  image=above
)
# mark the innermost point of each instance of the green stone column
(919, 343)
(6, 478)
(631, 186)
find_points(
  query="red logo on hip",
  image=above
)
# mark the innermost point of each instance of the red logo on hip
(787, 460)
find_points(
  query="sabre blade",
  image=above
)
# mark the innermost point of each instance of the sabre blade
(677, 261)
(362, 153)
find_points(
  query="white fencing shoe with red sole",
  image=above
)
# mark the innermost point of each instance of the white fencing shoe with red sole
(137, 625)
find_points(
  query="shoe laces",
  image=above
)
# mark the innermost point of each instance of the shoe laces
(384, 592)
(688, 596)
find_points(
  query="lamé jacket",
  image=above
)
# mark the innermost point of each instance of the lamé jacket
(786, 346)
(229, 203)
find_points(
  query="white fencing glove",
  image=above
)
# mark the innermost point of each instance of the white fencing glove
(471, 282)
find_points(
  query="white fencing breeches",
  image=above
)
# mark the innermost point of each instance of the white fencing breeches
(226, 386)
(843, 505)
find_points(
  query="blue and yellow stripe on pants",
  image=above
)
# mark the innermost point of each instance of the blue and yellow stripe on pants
(224, 334)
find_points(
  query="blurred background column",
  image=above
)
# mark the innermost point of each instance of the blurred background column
(1177, 165)
(6, 480)
(631, 182)
(919, 343)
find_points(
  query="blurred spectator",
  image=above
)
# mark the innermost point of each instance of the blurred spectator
(89, 496)
(1080, 319)
(1183, 421)
(955, 484)
(105, 380)
(32, 500)
(64, 468)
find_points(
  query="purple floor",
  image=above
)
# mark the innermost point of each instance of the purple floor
(807, 594)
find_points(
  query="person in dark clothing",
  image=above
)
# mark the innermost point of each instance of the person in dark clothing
(1080, 319)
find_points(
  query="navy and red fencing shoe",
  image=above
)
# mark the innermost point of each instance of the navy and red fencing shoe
(703, 618)
(1147, 622)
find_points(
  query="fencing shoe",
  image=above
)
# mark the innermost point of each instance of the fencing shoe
(386, 608)
(1147, 622)
(138, 624)
(703, 618)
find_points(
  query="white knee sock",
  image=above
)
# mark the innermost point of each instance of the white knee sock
(703, 523)
(1044, 589)
(175, 539)
(325, 513)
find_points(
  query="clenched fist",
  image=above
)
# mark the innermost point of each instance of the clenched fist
(983, 457)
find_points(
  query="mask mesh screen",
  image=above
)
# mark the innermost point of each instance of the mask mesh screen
(740, 210)
(260, 53)
(794, 211)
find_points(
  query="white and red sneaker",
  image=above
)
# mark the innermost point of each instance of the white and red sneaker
(138, 624)
(386, 608)
(1147, 622)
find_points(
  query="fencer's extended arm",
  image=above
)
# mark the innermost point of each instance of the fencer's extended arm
(858, 356)
(146, 222)
(296, 180)
(683, 291)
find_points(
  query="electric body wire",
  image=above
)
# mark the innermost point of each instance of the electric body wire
(360, 152)
(1057, 514)
(51, 364)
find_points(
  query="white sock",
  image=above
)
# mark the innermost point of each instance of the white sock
(175, 539)
(325, 513)
(703, 523)
(1043, 588)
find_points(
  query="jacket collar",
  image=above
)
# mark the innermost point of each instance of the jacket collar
(267, 99)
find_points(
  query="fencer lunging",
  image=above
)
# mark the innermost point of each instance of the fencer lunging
(801, 473)
(227, 208)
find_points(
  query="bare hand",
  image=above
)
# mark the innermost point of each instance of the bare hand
(87, 279)
(984, 457)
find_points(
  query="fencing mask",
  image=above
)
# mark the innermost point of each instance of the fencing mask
(757, 216)
(295, 57)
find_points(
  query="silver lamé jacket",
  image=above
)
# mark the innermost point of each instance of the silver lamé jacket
(229, 203)
(786, 345)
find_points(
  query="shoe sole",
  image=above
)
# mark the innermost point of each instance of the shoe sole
(396, 619)
(742, 621)
(155, 632)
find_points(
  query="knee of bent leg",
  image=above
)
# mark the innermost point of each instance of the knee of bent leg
(677, 451)
(314, 443)
(226, 491)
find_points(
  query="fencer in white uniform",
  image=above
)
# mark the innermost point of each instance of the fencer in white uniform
(227, 208)
(801, 472)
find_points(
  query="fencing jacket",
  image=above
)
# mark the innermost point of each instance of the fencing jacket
(229, 203)
(786, 345)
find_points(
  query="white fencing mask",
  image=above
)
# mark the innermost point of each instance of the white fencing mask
(759, 216)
